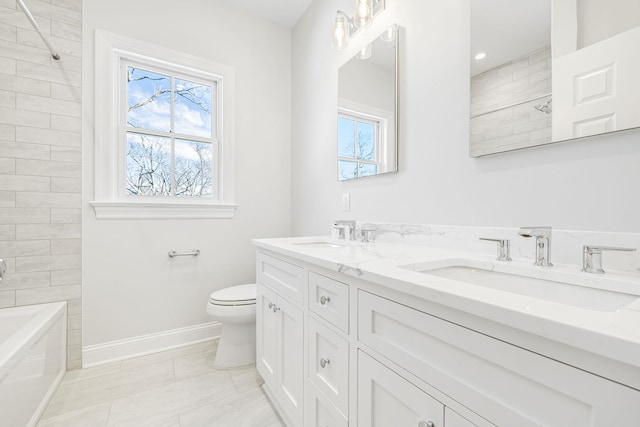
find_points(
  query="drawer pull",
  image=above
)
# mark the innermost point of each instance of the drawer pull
(324, 362)
(324, 300)
(426, 424)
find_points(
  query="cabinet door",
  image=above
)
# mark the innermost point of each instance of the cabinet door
(266, 329)
(289, 371)
(319, 411)
(386, 399)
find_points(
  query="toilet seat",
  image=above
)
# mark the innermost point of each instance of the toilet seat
(234, 295)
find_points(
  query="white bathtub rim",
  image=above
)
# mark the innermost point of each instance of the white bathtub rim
(46, 316)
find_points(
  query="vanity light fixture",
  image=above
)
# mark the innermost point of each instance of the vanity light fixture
(344, 27)
(365, 52)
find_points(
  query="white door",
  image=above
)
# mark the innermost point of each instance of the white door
(289, 373)
(387, 399)
(266, 334)
(596, 89)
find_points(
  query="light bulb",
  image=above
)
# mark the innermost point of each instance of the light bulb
(340, 31)
(389, 35)
(364, 13)
(365, 52)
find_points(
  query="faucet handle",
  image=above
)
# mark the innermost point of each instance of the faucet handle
(504, 248)
(592, 257)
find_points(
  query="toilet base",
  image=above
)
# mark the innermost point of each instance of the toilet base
(237, 346)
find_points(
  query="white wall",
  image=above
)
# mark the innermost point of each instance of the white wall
(358, 77)
(131, 287)
(589, 184)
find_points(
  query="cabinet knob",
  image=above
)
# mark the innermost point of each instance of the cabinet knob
(271, 305)
(324, 362)
(426, 424)
(275, 308)
(324, 300)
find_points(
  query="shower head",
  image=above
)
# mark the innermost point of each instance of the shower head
(545, 108)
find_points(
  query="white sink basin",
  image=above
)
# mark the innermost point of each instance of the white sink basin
(551, 288)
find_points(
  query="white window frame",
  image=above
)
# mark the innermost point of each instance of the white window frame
(385, 157)
(111, 200)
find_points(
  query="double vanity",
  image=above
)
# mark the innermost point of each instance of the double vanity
(393, 333)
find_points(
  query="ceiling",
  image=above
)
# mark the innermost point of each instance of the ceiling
(507, 29)
(281, 12)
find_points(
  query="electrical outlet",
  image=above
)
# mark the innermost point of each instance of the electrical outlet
(346, 202)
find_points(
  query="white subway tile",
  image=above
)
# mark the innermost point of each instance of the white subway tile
(7, 199)
(17, 18)
(75, 364)
(50, 137)
(12, 116)
(8, 32)
(24, 216)
(25, 85)
(7, 166)
(66, 185)
(66, 92)
(48, 73)
(22, 150)
(44, 295)
(66, 216)
(74, 322)
(55, 13)
(74, 306)
(48, 231)
(8, 66)
(8, 132)
(7, 232)
(7, 299)
(24, 183)
(74, 337)
(75, 5)
(66, 246)
(7, 99)
(51, 200)
(29, 264)
(17, 248)
(69, 63)
(63, 46)
(48, 168)
(66, 31)
(67, 123)
(66, 277)
(24, 53)
(26, 280)
(48, 105)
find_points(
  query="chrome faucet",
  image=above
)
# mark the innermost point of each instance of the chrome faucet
(342, 224)
(543, 243)
(504, 248)
(592, 257)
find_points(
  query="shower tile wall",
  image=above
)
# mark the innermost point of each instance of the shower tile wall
(40, 160)
(517, 127)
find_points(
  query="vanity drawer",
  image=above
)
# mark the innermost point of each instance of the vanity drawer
(319, 411)
(502, 383)
(329, 299)
(286, 279)
(329, 363)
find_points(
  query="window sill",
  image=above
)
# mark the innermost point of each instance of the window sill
(162, 210)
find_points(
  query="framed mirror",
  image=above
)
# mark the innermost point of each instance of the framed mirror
(534, 83)
(367, 137)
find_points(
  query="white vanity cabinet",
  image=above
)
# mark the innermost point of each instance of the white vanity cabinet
(280, 335)
(340, 351)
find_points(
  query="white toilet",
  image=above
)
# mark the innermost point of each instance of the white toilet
(235, 308)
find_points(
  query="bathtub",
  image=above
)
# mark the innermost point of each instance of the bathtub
(33, 347)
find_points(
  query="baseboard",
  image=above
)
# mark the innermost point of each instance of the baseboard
(99, 354)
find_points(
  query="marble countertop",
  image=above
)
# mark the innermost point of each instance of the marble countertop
(614, 333)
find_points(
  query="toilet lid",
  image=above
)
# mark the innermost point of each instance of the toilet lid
(235, 295)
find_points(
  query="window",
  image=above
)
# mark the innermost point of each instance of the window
(170, 132)
(358, 145)
(164, 146)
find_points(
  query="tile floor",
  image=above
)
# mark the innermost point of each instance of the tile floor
(174, 388)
